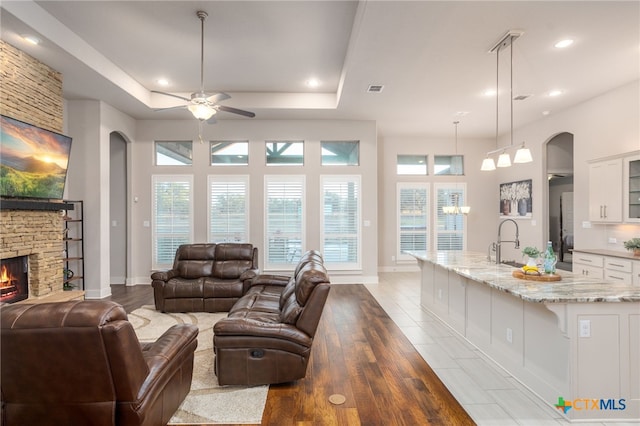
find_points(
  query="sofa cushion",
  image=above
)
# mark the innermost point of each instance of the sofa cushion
(195, 268)
(222, 288)
(290, 311)
(309, 276)
(287, 292)
(183, 288)
(230, 269)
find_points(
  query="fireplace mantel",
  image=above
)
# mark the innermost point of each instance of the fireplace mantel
(34, 205)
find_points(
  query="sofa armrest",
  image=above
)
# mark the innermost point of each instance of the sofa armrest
(249, 274)
(165, 275)
(267, 279)
(167, 354)
(248, 327)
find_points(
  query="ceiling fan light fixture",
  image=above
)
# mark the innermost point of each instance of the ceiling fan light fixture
(202, 111)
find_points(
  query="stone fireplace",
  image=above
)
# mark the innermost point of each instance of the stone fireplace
(36, 234)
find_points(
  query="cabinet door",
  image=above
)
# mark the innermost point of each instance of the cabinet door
(605, 191)
(589, 265)
(636, 274)
(631, 178)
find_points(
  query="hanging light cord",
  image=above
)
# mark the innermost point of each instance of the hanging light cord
(511, 88)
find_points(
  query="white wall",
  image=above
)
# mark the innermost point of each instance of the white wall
(256, 132)
(90, 124)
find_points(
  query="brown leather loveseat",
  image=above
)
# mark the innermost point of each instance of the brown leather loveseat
(205, 277)
(80, 363)
(267, 336)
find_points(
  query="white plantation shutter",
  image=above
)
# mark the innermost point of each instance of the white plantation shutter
(228, 208)
(340, 222)
(284, 220)
(172, 216)
(413, 218)
(450, 229)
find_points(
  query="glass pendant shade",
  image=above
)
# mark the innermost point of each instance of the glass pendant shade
(523, 155)
(201, 111)
(465, 209)
(504, 160)
(487, 165)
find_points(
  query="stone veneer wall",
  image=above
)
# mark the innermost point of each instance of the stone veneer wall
(32, 92)
(37, 234)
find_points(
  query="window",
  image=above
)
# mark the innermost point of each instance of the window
(174, 153)
(340, 153)
(229, 153)
(285, 153)
(412, 165)
(413, 218)
(284, 220)
(172, 216)
(450, 228)
(228, 208)
(340, 222)
(448, 165)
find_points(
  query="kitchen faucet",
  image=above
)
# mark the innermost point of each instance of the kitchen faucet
(499, 243)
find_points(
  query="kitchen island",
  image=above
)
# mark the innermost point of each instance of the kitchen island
(574, 342)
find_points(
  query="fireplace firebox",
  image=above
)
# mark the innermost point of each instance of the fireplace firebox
(14, 279)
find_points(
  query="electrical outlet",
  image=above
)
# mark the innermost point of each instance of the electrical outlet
(509, 335)
(393, 258)
(585, 328)
(613, 240)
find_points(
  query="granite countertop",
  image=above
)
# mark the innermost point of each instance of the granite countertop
(571, 289)
(612, 253)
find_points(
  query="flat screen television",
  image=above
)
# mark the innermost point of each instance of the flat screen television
(33, 161)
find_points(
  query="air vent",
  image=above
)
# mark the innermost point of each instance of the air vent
(521, 97)
(375, 88)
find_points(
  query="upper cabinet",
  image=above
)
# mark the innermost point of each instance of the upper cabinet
(631, 188)
(605, 191)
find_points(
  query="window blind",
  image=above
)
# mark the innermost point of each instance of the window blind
(284, 220)
(228, 208)
(172, 216)
(450, 229)
(340, 223)
(413, 218)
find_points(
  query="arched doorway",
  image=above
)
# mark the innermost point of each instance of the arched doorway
(560, 193)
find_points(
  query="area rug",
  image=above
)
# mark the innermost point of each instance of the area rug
(207, 402)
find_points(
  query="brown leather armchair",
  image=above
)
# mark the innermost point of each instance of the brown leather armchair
(80, 363)
(205, 277)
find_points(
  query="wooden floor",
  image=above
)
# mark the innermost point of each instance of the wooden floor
(360, 353)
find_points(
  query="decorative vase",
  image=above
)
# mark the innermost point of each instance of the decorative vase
(522, 207)
(636, 251)
(532, 262)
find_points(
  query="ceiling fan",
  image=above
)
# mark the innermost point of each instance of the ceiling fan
(204, 105)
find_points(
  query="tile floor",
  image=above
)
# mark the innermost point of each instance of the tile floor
(488, 393)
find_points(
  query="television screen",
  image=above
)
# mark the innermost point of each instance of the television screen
(33, 161)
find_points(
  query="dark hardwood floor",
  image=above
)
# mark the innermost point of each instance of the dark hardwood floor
(360, 353)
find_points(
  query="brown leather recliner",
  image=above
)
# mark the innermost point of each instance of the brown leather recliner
(268, 333)
(80, 363)
(205, 277)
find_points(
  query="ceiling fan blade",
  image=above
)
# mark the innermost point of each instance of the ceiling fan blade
(170, 108)
(171, 94)
(217, 97)
(235, 111)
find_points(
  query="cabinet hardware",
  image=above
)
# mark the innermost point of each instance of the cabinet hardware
(615, 278)
(617, 265)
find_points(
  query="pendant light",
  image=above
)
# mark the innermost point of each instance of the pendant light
(523, 154)
(455, 197)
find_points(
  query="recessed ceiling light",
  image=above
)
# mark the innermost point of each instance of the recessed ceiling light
(555, 93)
(162, 82)
(490, 92)
(563, 43)
(546, 112)
(31, 39)
(313, 82)
(461, 113)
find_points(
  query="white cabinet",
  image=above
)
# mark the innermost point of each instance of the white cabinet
(607, 268)
(589, 265)
(631, 180)
(605, 191)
